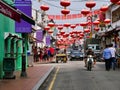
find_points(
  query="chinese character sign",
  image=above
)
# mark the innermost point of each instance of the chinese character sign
(48, 40)
(25, 7)
(39, 36)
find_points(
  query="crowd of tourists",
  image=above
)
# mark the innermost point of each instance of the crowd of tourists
(43, 54)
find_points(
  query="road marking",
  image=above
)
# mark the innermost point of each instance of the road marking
(53, 80)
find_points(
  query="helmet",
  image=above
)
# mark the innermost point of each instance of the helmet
(90, 48)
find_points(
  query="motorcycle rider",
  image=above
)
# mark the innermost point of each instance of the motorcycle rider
(89, 52)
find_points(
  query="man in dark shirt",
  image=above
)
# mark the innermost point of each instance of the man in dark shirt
(89, 52)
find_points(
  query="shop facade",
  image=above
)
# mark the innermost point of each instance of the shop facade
(12, 41)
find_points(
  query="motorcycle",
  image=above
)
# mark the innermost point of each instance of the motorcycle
(89, 62)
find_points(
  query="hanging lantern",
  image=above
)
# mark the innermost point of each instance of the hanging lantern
(81, 34)
(83, 24)
(114, 1)
(67, 25)
(96, 22)
(65, 11)
(51, 25)
(96, 29)
(65, 35)
(44, 7)
(60, 27)
(85, 12)
(64, 3)
(47, 28)
(50, 31)
(58, 34)
(62, 32)
(118, 3)
(87, 36)
(73, 26)
(86, 30)
(106, 21)
(90, 4)
(104, 8)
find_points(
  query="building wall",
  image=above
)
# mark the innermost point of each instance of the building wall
(7, 25)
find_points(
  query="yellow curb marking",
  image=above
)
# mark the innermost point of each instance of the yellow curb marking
(53, 80)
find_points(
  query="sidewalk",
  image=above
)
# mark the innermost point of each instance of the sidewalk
(35, 77)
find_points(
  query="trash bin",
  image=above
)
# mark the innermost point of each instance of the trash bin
(8, 68)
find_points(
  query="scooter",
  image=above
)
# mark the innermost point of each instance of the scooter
(89, 62)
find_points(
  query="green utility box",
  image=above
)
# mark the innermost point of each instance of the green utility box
(9, 68)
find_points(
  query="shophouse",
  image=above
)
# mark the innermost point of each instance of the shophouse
(14, 40)
(111, 30)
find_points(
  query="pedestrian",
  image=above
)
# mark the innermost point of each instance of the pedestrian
(113, 58)
(40, 54)
(35, 54)
(107, 57)
(52, 52)
(45, 55)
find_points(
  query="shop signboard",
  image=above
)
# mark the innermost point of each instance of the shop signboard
(48, 40)
(8, 11)
(39, 36)
(25, 7)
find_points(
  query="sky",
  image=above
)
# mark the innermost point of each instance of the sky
(75, 8)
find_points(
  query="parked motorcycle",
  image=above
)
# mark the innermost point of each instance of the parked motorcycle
(90, 62)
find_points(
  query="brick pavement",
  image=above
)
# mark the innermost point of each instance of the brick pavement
(35, 77)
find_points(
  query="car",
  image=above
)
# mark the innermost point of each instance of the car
(76, 55)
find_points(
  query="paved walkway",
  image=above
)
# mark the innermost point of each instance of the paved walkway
(35, 77)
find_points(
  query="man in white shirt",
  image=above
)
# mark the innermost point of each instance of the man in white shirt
(113, 58)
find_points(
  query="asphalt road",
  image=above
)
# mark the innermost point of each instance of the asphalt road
(74, 76)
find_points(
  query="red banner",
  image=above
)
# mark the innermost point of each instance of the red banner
(71, 16)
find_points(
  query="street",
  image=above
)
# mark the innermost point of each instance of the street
(74, 76)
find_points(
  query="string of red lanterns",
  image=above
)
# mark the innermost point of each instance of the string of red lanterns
(85, 12)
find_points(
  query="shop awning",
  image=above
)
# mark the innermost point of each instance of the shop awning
(14, 13)
(26, 18)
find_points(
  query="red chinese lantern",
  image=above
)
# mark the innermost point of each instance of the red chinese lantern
(62, 32)
(50, 31)
(51, 25)
(107, 21)
(87, 36)
(67, 25)
(47, 28)
(114, 1)
(65, 11)
(104, 8)
(96, 22)
(90, 4)
(73, 26)
(81, 34)
(65, 35)
(96, 29)
(44, 7)
(118, 3)
(86, 30)
(83, 24)
(64, 3)
(85, 12)
(60, 27)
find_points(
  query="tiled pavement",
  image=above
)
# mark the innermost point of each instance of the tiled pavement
(35, 77)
